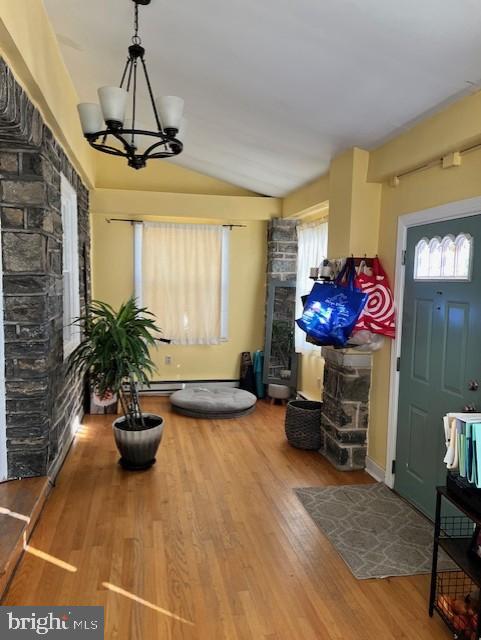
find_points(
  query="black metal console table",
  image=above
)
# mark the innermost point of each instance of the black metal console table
(455, 594)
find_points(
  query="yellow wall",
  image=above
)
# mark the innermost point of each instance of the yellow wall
(364, 208)
(415, 192)
(311, 374)
(29, 45)
(310, 195)
(160, 175)
(112, 262)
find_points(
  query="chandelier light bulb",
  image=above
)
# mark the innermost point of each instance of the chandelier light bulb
(113, 102)
(171, 109)
(91, 117)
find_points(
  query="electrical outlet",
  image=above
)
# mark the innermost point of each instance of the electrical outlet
(168, 359)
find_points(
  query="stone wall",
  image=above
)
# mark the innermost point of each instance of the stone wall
(281, 267)
(43, 402)
(345, 410)
(282, 249)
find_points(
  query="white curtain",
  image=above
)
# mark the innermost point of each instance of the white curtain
(183, 280)
(312, 250)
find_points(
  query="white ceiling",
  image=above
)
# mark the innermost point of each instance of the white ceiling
(275, 88)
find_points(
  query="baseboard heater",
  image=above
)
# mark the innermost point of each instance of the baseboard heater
(167, 387)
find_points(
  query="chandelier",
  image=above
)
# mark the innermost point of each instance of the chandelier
(106, 127)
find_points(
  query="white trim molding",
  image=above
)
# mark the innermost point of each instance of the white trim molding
(375, 470)
(449, 211)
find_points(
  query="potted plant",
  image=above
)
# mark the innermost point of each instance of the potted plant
(114, 353)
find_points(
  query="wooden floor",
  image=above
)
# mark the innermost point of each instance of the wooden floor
(21, 502)
(211, 544)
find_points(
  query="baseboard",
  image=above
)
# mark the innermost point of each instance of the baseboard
(374, 470)
(57, 464)
(167, 387)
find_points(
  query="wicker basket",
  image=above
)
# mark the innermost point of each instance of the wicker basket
(303, 424)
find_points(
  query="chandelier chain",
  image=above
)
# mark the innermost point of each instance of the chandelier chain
(136, 39)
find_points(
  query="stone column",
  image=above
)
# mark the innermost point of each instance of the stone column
(345, 411)
(282, 249)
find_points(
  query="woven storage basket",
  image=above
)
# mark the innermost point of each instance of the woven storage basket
(303, 424)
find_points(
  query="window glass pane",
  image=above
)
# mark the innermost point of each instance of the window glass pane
(448, 257)
(435, 258)
(463, 256)
(421, 266)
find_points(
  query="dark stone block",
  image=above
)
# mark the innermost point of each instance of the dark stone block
(8, 162)
(338, 454)
(25, 309)
(282, 266)
(24, 284)
(27, 464)
(42, 220)
(354, 387)
(26, 368)
(28, 421)
(359, 457)
(30, 405)
(31, 164)
(282, 230)
(26, 389)
(351, 436)
(32, 332)
(12, 218)
(21, 192)
(20, 349)
(24, 252)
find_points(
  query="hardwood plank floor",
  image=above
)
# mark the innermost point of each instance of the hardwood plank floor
(210, 544)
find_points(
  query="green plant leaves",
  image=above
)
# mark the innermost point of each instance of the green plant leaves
(115, 349)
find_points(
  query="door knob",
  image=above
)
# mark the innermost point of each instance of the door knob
(473, 385)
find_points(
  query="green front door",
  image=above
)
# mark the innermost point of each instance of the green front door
(440, 357)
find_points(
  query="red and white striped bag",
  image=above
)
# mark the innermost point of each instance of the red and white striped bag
(378, 315)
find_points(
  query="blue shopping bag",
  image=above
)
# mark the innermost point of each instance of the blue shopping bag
(332, 309)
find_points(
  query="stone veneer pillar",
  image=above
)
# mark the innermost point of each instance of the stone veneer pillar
(43, 402)
(345, 411)
(282, 249)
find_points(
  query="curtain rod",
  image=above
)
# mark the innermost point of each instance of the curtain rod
(132, 221)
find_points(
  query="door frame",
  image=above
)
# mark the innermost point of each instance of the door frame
(449, 211)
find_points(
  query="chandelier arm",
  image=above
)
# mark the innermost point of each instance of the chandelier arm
(128, 148)
(126, 68)
(129, 79)
(148, 152)
(134, 102)
(110, 150)
(162, 154)
(151, 94)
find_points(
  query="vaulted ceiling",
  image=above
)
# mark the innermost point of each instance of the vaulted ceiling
(275, 88)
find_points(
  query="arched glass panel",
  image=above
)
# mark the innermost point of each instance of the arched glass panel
(448, 257)
(464, 243)
(435, 258)
(421, 260)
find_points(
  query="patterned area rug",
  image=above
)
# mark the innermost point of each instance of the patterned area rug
(376, 533)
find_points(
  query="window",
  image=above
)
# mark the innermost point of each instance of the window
(70, 262)
(447, 258)
(182, 276)
(312, 250)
